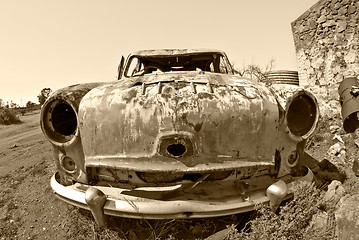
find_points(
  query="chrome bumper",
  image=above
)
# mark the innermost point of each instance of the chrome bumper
(103, 201)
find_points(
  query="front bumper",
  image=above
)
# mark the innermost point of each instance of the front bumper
(116, 203)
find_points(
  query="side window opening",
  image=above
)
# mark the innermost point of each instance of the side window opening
(222, 65)
(135, 68)
(211, 67)
(215, 64)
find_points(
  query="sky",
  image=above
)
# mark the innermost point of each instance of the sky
(56, 43)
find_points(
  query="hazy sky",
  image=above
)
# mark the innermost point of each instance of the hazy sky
(56, 43)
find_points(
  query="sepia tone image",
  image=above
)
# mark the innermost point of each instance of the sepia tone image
(179, 120)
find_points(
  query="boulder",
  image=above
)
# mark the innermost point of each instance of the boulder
(347, 218)
(337, 150)
(319, 222)
(342, 25)
(351, 9)
(334, 193)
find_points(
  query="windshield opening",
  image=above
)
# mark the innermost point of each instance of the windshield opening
(209, 62)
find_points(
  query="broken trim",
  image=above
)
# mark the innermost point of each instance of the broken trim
(138, 207)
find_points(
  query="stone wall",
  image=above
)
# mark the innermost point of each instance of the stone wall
(326, 39)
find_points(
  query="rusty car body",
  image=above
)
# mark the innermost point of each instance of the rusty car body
(179, 135)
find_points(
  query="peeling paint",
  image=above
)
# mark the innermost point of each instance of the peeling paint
(217, 135)
(178, 108)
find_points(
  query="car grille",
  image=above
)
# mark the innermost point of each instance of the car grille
(113, 177)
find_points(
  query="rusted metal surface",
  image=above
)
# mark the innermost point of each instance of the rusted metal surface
(169, 52)
(68, 145)
(283, 77)
(186, 131)
(349, 93)
(145, 203)
(214, 127)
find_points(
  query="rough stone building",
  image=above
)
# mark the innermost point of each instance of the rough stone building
(326, 39)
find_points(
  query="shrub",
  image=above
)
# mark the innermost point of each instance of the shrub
(292, 220)
(8, 116)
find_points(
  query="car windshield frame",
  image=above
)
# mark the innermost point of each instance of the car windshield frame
(215, 62)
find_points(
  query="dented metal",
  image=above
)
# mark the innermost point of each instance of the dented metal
(225, 122)
(179, 131)
(349, 91)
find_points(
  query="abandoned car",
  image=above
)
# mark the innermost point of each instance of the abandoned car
(179, 135)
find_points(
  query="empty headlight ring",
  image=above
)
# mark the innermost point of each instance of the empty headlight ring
(302, 114)
(59, 122)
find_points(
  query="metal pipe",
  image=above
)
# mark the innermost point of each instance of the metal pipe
(349, 92)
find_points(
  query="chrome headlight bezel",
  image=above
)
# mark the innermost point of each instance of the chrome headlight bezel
(59, 122)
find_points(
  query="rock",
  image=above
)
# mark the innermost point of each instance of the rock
(351, 9)
(334, 193)
(322, 19)
(337, 6)
(342, 152)
(306, 14)
(350, 57)
(341, 26)
(356, 167)
(312, 24)
(329, 23)
(14, 146)
(319, 222)
(301, 28)
(334, 129)
(347, 218)
(336, 149)
(343, 10)
(3, 212)
(346, 137)
(355, 134)
(338, 138)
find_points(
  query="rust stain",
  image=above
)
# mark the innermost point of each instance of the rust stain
(130, 95)
(174, 126)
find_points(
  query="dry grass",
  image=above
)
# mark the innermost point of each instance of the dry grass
(84, 227)
(292, 219)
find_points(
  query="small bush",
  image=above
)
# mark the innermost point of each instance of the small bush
(8, 116)
(292, 220)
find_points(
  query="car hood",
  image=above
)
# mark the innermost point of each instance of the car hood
(188, 76)
(179, 121)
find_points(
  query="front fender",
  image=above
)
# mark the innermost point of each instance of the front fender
(59, 124)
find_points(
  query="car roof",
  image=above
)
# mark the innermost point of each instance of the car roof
(169, 52)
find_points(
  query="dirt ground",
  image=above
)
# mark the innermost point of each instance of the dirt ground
(29, 209)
